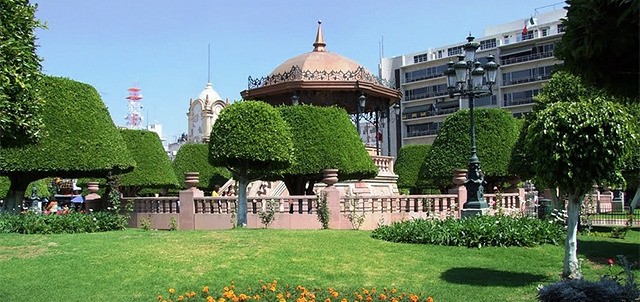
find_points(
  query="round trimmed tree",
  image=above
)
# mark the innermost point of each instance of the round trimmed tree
(496, 133)
(250, 139)
(408, 165)
(80, 140)
(153, 167)
(574, 145)
(323, 138)
(195, 158)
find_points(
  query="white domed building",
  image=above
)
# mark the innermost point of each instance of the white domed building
(203, 112)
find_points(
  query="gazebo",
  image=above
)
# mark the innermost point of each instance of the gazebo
(323, 78)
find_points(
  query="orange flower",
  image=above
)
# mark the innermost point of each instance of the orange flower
(344, 300)
(205, 289)
(335, 294)
(172, 291)
(210, 299)
(382, 297)
(413, 298)
(159, 298)
(256, 297)
(327, 300)
(394, 290)
(181, 298)
(429, 299)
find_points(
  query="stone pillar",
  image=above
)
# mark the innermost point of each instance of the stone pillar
(333, 198)
(617, 203)
(459, 178)
(92, 199)
(186, 217)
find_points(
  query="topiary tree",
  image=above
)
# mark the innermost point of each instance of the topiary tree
(81, 140)
(323, 138)
(574, 145)
(20, 108)
(407, 166)
(153, 167)
(42, 187)
(496, 133)
(195, 158)
(250, 139)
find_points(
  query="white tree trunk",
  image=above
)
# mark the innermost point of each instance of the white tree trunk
(571, 269)
(242, 203)
(636, 199)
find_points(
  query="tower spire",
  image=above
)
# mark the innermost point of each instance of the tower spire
(209, 63)
(319, 44)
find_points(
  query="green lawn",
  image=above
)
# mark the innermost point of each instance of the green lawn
(134, 265)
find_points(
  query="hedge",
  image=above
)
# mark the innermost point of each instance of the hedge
(408, 165)
(496, 134)
(193, 157)
(153, 169)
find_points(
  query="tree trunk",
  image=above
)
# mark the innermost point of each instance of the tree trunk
(636, 199)
(13, 201)
(571, 269)
(242, 202)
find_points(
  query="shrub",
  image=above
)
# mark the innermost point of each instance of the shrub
(496, 133)
(408, 164)
(194, 158)
(74, 222)
(269, 213)
(476, 231)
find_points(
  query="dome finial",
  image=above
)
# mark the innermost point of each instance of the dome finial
(319, 44)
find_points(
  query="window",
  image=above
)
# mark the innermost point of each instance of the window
(423, 129)
(520, 97)
(544, 31)
(425, 92)
(440, 53)
(420, 58)
(486, 44)
(528, 35)
(560, 28)
(506, 39)
(452, 51)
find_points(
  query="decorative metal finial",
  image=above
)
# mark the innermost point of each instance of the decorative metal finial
(319, 44)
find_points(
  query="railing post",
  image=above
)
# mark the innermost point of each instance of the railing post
(333, 198)
(459, 178)
(186, 217)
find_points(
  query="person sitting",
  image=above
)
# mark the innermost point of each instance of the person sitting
(215, 193)
(52, 207)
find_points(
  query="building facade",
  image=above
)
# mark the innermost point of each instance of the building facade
(523, 48)
(202, 114)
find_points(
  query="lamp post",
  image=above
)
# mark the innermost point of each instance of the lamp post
(362, 99)
(396, 110)
(466, 78)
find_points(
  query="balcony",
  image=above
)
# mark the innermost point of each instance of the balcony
(516, 102)
(526, 58)
(526, 80)
(417, 133)
(426, 95)
(431, 76)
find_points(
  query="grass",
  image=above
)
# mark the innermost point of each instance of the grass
(135, 265)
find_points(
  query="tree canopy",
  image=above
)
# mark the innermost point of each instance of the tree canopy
(250, 139)
(408, 165)
(323, 138)
(81, 139)
(601, 43)
(496, 133)
(193, 157)
(153, 167)
(20, 107)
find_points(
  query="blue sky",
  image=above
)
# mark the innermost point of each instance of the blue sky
(162, 45)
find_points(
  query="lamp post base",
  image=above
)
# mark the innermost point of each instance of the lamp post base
(474, 212)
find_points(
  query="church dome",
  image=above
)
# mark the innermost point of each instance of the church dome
(208, 94)
(321, 62)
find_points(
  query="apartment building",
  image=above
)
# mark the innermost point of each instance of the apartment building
(526, 61)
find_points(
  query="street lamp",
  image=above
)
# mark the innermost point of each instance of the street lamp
(362, 99)
(396, 109)
(466, 78)
(295, 99)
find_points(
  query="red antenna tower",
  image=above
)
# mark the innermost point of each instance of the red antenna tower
(134, 115)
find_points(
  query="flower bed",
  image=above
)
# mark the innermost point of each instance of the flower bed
(271, 291)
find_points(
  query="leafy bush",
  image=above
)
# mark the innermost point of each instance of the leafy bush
(611, 287)
(194, 158)
(408, 164)
(477, 231)
(496, 134)
(74, 222)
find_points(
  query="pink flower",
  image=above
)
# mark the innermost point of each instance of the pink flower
(610, 261)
